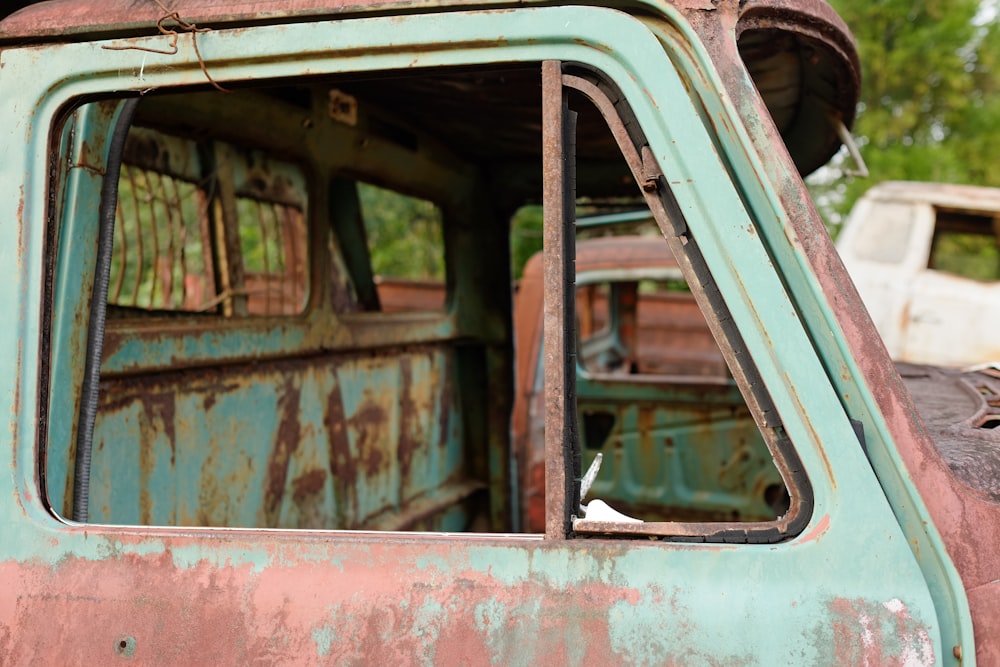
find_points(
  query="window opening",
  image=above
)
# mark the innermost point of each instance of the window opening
(646, 327)
(162, 257)
(888, 232)
(173, 248)
(406, 247)
(740, 484)
(376, 420)
(273, 244)
(966, 245)
(338, 419)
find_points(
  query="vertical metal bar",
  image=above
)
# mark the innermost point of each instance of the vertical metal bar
(227, 229)
(209, 287)
(154, 229)
(165, 264)
(558, 192)
(266, 279)
(291, 255)
(180, 264)
(137, 228)
(116, 292)
(348, 223)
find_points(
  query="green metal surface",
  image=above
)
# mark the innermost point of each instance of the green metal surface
(786, 249)
(669, 456)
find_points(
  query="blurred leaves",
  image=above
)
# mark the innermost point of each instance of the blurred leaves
(404, 234)
(929, 106)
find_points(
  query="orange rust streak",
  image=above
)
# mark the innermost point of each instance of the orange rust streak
(820, 528)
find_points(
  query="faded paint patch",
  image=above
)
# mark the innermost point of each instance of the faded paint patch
(323, 637)
(876, 634)
(492, 618)
(658, 629)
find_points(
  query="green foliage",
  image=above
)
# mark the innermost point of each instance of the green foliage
(525, 237)
(967, 254)
(929, 105)
(261, 240)
(404, 234)
(157, 241)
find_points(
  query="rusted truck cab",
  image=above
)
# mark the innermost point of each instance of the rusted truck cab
(223, 449)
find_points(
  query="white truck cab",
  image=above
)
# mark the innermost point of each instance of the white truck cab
(926, 260)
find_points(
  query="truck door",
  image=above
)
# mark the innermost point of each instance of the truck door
(321, 481)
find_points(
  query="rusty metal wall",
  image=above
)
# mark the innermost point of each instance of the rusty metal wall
(328, 442)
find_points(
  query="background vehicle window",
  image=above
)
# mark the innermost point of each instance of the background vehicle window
(273, 245)
(406, 246)
(966, 245)
(888, 240)
(645, 327)
(163, 249)
(184, 245)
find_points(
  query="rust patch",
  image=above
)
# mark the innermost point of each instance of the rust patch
(308, 484)
(534, 498)
(448, 403)
(163, 406)
(287, 441)
(409, 419)
(869, 633)
(820, 528)
(368, 422)
(21, 226)
(343, 466)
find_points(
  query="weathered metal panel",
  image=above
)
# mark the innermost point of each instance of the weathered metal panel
(319, 443)
(815, 85)
(916, 483)
(430, 601)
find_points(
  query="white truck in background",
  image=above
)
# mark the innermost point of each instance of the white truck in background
(926, 260)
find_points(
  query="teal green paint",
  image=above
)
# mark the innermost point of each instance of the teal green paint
(559, 567)
(647, 470)
(206, 345)
(125, 646)
(323, 637)
(64, 549)
(429, 620)
(817, 316)
(228, 415)
(492, 619)
(193, 555)
(521, 629)
(433, 562)
(508, 565)
(76, 258)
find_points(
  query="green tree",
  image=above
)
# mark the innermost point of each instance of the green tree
(525, 237)
(929, 106)
(404, 234)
